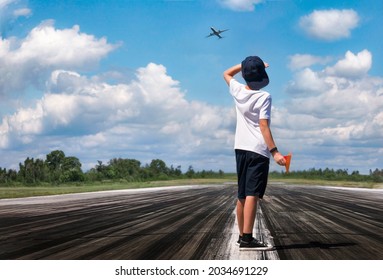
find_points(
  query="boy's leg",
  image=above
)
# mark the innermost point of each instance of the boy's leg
(249, 212)
(246, 212)
(241, 175)
(257, 169)
(240, 217)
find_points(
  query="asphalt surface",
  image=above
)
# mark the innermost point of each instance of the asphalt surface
(195, 222)
(167, 223)
(325, 223)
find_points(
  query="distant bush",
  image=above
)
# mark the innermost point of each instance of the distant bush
(57, 168)
(331, 175)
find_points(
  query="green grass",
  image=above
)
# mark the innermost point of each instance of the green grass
(351, 184)
(28, 191)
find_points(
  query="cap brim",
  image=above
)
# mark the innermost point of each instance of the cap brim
(258, 81)
(258, 84)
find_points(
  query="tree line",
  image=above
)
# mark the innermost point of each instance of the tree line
(328, 174)
(58, 168)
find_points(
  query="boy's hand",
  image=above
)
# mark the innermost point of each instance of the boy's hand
(279, 158)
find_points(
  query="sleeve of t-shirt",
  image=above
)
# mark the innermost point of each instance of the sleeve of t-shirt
(265, 110)
(235, 87)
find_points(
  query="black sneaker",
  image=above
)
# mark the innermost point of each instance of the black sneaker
(254, 245)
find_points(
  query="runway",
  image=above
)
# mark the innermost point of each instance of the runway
(192, 223)
(325, 223)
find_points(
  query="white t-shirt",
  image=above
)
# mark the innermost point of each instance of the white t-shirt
(251, 106)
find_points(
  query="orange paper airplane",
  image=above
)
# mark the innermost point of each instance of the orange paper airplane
(288, 160)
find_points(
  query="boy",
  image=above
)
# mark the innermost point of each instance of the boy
(254, 144)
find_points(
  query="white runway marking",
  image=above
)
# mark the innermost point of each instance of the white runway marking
(260, 232)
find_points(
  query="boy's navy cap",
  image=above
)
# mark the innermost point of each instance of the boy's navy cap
(254, 73)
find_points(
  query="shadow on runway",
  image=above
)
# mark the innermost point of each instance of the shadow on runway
(315, 244)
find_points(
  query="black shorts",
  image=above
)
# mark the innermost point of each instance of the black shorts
(252, 172)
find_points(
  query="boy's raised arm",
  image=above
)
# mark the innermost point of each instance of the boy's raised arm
(231, 72)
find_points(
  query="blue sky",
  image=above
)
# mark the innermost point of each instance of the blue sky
(139, 79)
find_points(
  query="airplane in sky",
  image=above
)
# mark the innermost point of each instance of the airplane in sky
(216, 32)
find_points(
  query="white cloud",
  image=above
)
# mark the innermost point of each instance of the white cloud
(299, 61)
(22, 12)
(147, 118)
(5, 3)
(341, 123)
(307, 82)
(352, 66)
(10, 11)
(29, 61)
(330, 25)
(240, 5)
